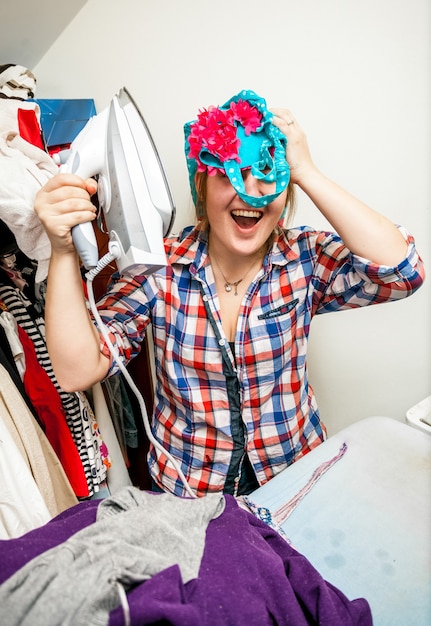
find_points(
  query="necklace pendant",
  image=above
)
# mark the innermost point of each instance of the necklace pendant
(227, 287)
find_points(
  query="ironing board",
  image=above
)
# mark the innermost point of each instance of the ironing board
(366, 523)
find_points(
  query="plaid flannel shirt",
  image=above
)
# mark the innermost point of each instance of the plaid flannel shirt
(305, 272)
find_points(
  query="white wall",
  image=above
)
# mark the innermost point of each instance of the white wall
(357, 76)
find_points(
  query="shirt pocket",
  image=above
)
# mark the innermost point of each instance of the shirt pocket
(284, 309)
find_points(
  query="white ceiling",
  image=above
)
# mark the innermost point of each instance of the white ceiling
(30, 27)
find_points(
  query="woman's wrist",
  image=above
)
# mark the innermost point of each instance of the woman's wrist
(307, 177)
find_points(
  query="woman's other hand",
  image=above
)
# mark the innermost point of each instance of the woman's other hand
(297, 153)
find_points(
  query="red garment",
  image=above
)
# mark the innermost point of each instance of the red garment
(47, 403)
(29, 127)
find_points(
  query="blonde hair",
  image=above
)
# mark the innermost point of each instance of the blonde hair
(201, 196)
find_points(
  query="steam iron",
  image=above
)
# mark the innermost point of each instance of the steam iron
(116, 147)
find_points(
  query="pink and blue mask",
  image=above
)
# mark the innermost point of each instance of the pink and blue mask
(234, 137)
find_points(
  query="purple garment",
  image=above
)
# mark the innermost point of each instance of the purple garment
(248, 575)
(15, 553)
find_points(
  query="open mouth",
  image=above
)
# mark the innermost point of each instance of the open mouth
(246, 218)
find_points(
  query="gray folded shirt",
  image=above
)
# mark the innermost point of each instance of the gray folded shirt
(136, 535)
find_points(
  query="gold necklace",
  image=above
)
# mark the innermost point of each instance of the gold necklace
(228, 284)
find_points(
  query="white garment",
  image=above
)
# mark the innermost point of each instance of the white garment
(10, 327)
(36, 452)
(17, 81)
(22, 505)
(117, 476)
(24, 169)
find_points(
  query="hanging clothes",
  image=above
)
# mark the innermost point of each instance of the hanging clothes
(24, 169)
(35, 448)
(25, 166)
(117, 471)
(8, 362)
(22, 505)
(122, 414)
(79, 415)
(10, 327)
(47, 402)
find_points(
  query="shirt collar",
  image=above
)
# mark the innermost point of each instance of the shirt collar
(283, 250)
(188, 248)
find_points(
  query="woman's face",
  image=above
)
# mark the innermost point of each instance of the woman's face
(235, 227)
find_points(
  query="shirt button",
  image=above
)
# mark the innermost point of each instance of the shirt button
(221, 342)
(205, 298)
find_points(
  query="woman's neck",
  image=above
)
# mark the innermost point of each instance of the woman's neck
(235, 271)
(234, 265)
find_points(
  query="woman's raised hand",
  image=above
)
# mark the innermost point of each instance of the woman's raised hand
(63, 202)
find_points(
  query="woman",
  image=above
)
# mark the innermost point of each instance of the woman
(231, 313)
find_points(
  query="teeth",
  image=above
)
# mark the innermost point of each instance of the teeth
(244, 213)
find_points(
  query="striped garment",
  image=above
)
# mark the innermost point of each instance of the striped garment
(305, 272)
(78, 412)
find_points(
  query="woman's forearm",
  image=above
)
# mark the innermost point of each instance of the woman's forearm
(72, 339)
(364, 231)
